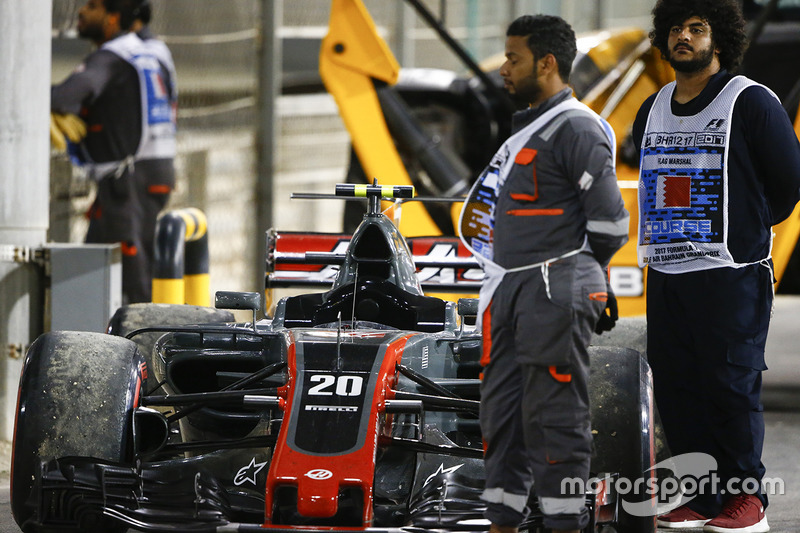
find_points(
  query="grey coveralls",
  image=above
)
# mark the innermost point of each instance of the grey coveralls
(560, 195)
(105, 92)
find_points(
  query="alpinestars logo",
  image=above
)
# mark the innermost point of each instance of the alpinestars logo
(248, 473)
(441, 470)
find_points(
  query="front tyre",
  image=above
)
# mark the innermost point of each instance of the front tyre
(76, 398)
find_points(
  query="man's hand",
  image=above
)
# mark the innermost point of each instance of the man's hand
(65, 127)
(609, 316)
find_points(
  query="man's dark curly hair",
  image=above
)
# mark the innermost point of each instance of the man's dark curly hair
(547, 34)
(724, 17)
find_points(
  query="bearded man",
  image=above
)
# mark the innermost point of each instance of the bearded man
(719, 166)
(558, 219)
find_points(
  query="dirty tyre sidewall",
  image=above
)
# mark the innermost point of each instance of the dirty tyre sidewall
(620, 392)
(76, 397)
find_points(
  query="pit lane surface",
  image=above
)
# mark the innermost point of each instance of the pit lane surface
(781, 398)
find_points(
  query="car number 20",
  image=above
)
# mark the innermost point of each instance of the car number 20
(328, 385)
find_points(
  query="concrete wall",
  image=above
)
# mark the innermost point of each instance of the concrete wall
(24, 145)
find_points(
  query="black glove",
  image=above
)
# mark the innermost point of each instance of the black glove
(609, 316)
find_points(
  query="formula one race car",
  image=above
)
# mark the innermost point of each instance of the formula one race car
(352, 408)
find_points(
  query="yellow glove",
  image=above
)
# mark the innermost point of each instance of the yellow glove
(63, 127)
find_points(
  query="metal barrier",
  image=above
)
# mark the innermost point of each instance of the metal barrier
(180, 270)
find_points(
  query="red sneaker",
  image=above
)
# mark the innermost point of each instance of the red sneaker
(743, 513)
(681, 518)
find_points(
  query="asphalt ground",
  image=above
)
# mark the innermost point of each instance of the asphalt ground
(781, 399)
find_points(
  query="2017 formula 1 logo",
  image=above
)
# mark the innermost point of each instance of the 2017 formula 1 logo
(319, 474)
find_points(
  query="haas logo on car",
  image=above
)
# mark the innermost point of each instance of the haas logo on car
(319, 474)
(444, 250)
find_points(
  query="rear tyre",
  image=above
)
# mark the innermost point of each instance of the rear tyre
(76, 398)
(621, 396)
(129, 318)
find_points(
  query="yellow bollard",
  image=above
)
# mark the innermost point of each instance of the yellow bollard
(180, 271)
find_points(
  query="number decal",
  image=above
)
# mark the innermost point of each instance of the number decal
(341, 385)
(349, 385)
(325, 381)
(627, 281)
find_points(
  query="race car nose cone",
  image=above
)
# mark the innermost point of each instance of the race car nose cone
(317, 497)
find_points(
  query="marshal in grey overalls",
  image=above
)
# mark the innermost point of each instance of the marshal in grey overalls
(559, 206)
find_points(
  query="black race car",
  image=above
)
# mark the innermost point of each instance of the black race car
(351, 408)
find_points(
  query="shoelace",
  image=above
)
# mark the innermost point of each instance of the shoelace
(736, 506)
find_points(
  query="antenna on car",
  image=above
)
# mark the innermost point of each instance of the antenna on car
(339, 342)
(355, 290)
(374, 193)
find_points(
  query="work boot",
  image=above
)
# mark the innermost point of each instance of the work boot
(743, 513)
